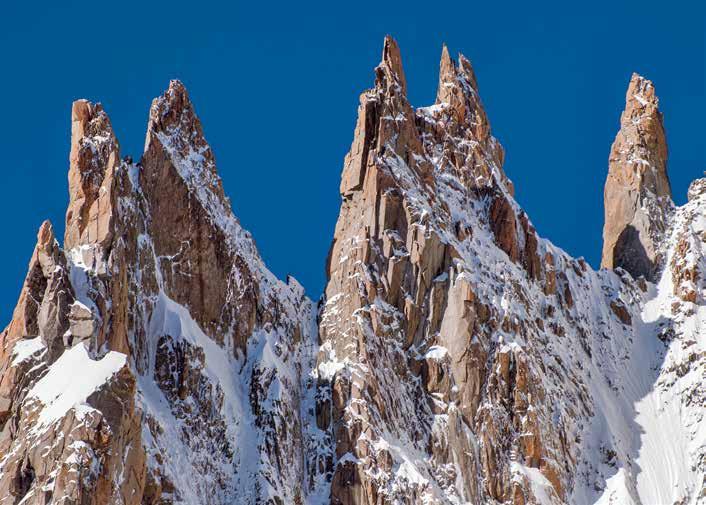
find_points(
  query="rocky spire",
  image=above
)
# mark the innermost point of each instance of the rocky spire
(24, 319)
(449, 91)
(174, 130)
(171, 264)
(93, 160)
(459, 107)
(458, 88)
(385, 120)
(637, 197)
(398, 287)
(192, 226)
(42, 308)
(391, 64)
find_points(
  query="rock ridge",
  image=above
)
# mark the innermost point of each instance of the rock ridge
(455, 356)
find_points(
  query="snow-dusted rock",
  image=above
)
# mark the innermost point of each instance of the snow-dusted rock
(542, 391)
(210, 399)
(638, 196)
(456, 356)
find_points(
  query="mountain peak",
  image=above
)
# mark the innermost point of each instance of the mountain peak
(45, 235)
(390, 71)
(447, 67)
(638, 196)
(173, 101)
(174, 130)
(460, 109)
(173, 110)
(641, 93)
(459, 90)
(94, 156)
(456, 356)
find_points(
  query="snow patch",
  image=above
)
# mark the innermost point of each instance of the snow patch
(26, 348)
(71, 380)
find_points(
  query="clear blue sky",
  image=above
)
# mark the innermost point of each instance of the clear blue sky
(277, 85)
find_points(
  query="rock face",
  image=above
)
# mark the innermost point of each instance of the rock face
(638, 197)
(145, 352)
(455, 357)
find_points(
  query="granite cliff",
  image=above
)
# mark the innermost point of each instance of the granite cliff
(455, 357)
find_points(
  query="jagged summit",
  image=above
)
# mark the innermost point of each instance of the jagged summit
(456, 357)
(460, 110)
(385, 120)
(174, 128)
(638, 198)
(162, 335)
(428, 240)
(391, 64)
(457, 85)
(174, 125)
(94, 157)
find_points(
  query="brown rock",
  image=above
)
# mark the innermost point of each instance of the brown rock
(621, 311)
(638, 197)
(446, 371)
(93, 160)
(200, 268)
(504, 226)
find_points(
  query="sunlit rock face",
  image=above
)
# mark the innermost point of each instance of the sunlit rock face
(455, 357)
(177, 365)
(466, 360)
(638, 197)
